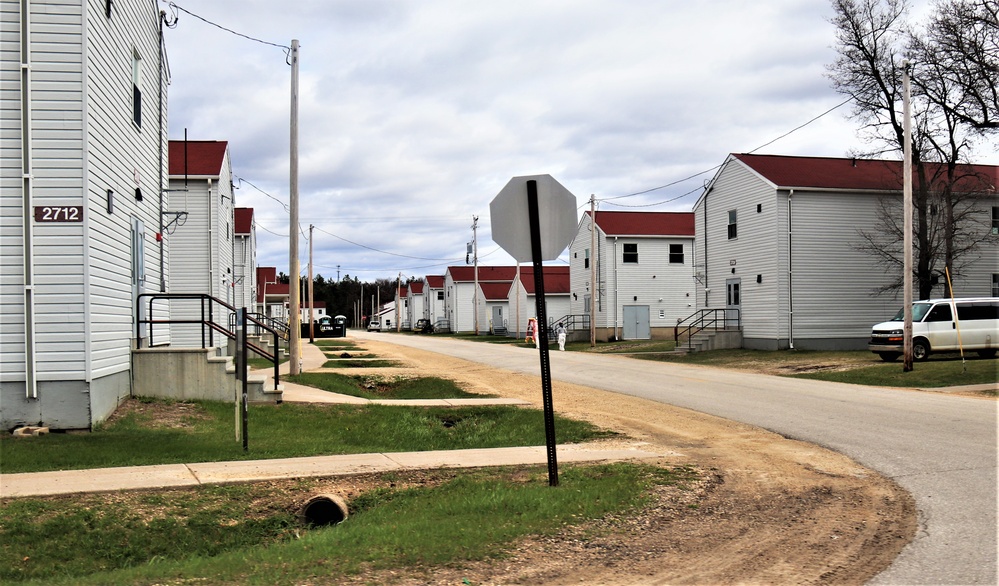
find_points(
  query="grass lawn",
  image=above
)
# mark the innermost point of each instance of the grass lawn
(248, 533)
(856, 367)
(159, 432)
(373, 387)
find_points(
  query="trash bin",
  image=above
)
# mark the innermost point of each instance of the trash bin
(339, 327)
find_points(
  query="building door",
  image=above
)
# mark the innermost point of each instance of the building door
(733, 302)
(138, 262)
(636, 322)
(498, 317)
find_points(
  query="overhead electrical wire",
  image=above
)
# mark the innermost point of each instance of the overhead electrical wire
(175, 7)
(716, 167)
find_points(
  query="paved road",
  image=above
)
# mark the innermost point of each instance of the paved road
(939, 447)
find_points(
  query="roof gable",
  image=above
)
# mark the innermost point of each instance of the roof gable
(435, 281)
(787, 172)
(244, 220)
(197, 157)
(556, 279)
(416, 287)
(466, 274)
(495, 291)
(646, 223)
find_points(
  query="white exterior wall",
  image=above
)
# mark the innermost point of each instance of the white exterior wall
(817, 291)
(202, 252)
(580, 275)
(415, 309)
(459, 304)
(82, 142)
(433, 308)
(245, 269)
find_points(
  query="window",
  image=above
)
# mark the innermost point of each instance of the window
(939, 312)
(732, 230)
(676, 254)
(995, 284)
(440, 296)
(631, 253)
(586, 259)
(136, 93)
(995, 220)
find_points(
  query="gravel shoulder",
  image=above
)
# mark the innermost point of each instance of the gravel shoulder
(771, 511)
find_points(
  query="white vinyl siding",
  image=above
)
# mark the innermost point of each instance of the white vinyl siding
(123, 158)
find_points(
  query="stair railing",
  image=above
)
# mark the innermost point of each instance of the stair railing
(704, 319)
(217, 316)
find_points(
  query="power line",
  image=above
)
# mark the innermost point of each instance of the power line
(384, 251)
(174, 6)
(786, 134)
(243, 180)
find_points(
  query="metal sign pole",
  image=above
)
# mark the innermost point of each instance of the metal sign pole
(542, 330)
(243, 375)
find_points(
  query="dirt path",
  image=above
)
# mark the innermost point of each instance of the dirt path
(775, 511)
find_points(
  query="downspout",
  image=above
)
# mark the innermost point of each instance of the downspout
(617, 336)
(27, 197)
(790, 278)
(211, 243)
(159, 234)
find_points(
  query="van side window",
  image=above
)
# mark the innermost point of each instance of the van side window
(977, 311)
(939, 312)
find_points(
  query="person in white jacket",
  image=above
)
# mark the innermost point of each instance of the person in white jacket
(561, 337)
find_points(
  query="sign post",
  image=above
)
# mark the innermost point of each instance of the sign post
(550, 211)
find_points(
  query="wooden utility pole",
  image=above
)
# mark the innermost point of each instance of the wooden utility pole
(312, 300)
(907, 224)
(593, 270)
(294, 288)
(475, 262)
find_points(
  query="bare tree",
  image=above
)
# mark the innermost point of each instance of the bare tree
(874, 41)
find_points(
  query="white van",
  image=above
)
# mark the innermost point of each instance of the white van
(935, 330)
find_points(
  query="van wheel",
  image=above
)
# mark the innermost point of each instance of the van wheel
(920, 349)
(990, 353)
(889, 356)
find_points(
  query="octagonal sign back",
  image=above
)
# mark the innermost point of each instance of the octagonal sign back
(511, 225)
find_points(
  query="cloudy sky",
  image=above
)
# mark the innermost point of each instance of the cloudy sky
(415, 113)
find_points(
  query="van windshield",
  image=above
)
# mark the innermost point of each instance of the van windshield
(918, 312)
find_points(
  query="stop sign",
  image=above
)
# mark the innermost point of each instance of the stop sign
(511, 225)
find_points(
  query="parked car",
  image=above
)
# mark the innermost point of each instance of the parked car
(935, 329)
(374, 326)
(424, 326)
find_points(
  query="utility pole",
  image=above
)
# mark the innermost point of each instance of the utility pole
(398, 298)
(593, 271)
(475, 262)
(907, 224)
(295, 333)
(312, 304)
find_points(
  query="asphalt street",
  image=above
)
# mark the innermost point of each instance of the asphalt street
(940, 447)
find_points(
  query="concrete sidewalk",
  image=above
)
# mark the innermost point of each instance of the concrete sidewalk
(181, 475)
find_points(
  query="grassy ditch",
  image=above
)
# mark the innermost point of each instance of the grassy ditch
(354, 363)
(373, 387)
(158, 432)
(250, 534)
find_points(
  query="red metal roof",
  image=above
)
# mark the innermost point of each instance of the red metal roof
(403, 292)
(416, 287)
(461, 274)
(435, 281)
(494, 291)
(197, 157)
(849, 174)
(556, 279)
(646, 223)
(244, 220)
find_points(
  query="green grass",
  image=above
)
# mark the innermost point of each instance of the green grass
(855, 367)
(935, 373)
(230, 535)
(205, 434)
(261, 363)
(351, 363)
(382, 388)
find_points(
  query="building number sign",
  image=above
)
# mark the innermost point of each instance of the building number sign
(58, 213)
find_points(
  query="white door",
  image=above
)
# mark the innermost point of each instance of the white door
(733, 302)
(138, 270)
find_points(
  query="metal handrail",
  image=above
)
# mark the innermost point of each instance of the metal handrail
(572, 322)
(208, 324)
(704, 319)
